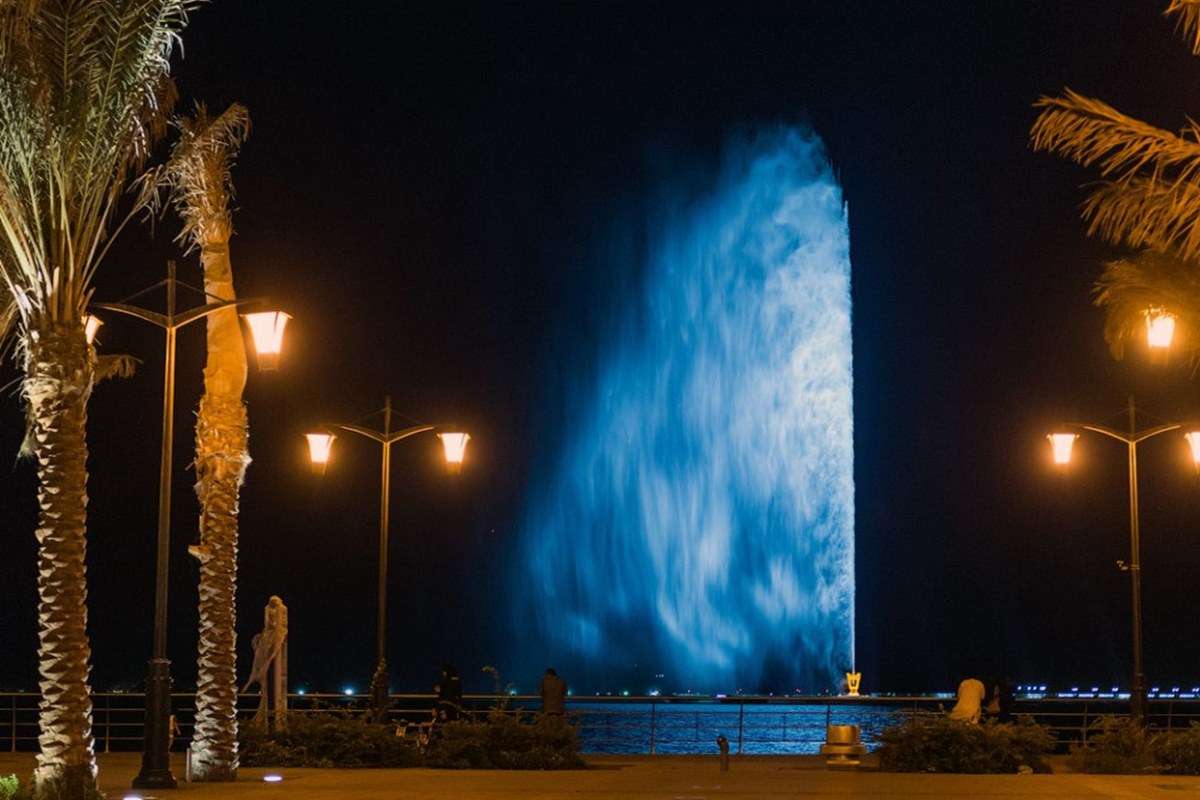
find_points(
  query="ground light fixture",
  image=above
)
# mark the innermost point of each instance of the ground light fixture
(266, 327)
(1160, 328)
(272, 778)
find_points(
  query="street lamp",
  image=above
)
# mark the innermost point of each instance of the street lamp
(1061, 444)
(156, 765)
(267, 329)
(1160, 328)
(320, 446)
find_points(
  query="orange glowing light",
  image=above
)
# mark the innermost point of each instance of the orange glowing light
(1160, 328)
(1193, 440)
(267, 329)
(454, 445)
(320, 446)
(1061, 444)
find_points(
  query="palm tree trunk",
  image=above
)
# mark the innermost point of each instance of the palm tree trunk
(221, 460)
(59, 370)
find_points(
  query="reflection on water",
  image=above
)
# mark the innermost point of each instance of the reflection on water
(694, 728)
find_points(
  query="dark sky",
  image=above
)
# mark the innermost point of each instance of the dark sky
(427, 189)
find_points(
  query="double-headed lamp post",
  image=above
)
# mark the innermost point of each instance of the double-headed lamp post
(1062, 442)
(156, 757)
(320, 447)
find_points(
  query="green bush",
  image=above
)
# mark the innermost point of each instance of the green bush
(1178, 752)
(504, 742)
(9, 787)
(1115, 747)
(1122, 747)
(940, 744)
(329, 739)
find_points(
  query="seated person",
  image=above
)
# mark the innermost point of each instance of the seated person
(971, 694)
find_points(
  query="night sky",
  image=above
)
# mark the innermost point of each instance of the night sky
(432, 192)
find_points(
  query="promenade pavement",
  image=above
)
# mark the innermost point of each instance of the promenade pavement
(638, 778)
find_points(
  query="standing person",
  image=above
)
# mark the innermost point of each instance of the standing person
(449, 694)
(1004, 700)
(554, 693)
(971, 694)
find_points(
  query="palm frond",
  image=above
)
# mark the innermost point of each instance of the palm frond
(198, 173)
(115, 365)
(1143, 213)
(84, 93)
(1187, 14)
(1151, 195)
(1128, 288)
(1091, 132)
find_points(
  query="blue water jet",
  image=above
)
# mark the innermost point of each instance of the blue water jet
(697, 520)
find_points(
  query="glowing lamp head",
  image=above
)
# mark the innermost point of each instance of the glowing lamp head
(91, 324)
(1061, 444)
(1160, 328)
(319, 447)
(272, 778)
(1193, 440)
(266, 328)
(454, 445)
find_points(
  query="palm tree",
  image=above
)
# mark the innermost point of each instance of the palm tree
(84, 88)
(1129, 287)
(1150, 193)
(201, 187)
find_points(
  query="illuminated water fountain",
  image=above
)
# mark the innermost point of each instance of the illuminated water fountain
(698, 520)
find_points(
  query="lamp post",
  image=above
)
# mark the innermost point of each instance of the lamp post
(156, 758)
(1061, 443)
(320, 444)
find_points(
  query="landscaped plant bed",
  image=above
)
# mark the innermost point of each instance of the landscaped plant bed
(1122, 747)
(501, 741)
(940, 744)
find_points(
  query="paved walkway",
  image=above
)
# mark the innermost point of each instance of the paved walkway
(638, 778)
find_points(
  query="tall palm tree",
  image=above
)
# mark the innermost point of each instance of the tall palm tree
(201, 187)
(84, 88)
(1150, 193)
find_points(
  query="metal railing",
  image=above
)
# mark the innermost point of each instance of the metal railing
(626, 725)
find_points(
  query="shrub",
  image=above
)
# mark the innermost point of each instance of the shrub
(940, 744)
(9, 787)
(328, 739)
(504, 742)
(1179, 751)
(1115, 746)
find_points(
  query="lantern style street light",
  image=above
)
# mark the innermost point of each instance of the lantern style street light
(1061, 443)
(156, 766)
(320, 447)
(1160, 328)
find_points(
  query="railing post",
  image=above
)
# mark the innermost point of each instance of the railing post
(1085, 724)
(13, 744)
(653, 723)
(108, 723)
(1170, 713)
(741, 725)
